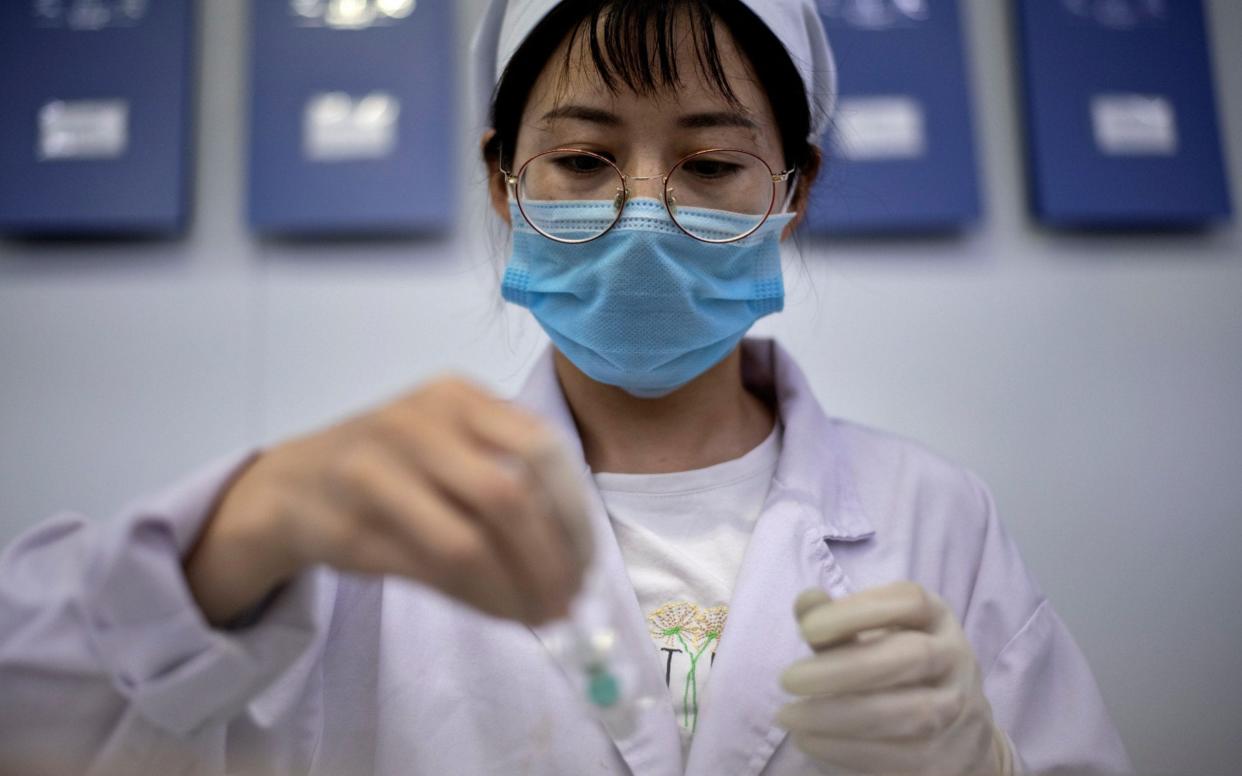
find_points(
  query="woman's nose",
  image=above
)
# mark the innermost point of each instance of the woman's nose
(645, 186)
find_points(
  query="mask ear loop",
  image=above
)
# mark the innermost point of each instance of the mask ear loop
(510, 180)
(793, 190)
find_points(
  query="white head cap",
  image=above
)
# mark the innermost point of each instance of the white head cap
(795, 23)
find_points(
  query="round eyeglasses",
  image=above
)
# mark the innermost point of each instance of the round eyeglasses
(719, 195)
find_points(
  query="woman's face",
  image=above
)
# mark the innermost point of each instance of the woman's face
(646, 134)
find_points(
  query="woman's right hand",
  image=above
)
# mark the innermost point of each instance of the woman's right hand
(448, 486)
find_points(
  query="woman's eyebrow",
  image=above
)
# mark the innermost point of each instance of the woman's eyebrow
(709, 120)
(717, 119)
(583, 113)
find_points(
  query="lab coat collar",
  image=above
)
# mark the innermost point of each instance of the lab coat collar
(814, 467)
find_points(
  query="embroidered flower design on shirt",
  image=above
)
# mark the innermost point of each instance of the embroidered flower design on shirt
(713, 621)
(672, 619)
(695, 629)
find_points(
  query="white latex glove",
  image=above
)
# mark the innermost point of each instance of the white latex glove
(893, 688)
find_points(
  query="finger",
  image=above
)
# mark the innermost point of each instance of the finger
(332, 532)
(379, 552)
(563, 481)
(863, 756)
(512, 508)
(545, 546)
(900, 713)
(809, 599)
(893, 660)
(509, 430)
(900, 605)
(458, 556)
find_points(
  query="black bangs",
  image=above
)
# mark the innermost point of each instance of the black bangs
(633, 44)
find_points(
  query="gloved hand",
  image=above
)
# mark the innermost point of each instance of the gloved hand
(893, 688)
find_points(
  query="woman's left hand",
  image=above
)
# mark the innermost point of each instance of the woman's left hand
(893, 688)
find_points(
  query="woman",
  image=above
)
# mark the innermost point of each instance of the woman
(851, 596)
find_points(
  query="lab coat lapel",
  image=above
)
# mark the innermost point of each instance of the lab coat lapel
(651, 743)
(651, 746)
(812, 502)
(737, 732)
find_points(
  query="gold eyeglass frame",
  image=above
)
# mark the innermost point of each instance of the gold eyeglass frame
(511, 181)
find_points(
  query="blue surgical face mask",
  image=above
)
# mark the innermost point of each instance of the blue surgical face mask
(646, 307)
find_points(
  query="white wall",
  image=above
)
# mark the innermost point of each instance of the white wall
(1095, 382)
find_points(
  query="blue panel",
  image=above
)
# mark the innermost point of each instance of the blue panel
(901, 157)
(94, 116)
(1121, 119)
(352, 117)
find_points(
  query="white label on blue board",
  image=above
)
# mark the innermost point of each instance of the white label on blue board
(1119, 14)
(881, 127)
(350, 14)
(877, 14)
(83, 129)
(337, 127)
(89, 14)
(1134, 125)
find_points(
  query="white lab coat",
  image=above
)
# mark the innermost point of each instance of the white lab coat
(106, 663)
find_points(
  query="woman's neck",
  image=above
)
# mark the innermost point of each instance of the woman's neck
(712, 419)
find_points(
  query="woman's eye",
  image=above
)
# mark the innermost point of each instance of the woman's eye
(580, 164)
(710, 168)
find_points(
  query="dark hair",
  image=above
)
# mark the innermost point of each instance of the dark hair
(632, 44)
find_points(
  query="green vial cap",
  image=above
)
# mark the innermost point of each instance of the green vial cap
(603, 688)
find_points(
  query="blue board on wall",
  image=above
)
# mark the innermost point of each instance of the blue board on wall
(352, 117)
(95, 102)
(1121, 118)
(901, 156)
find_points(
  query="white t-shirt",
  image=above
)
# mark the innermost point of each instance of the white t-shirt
(682, 536)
